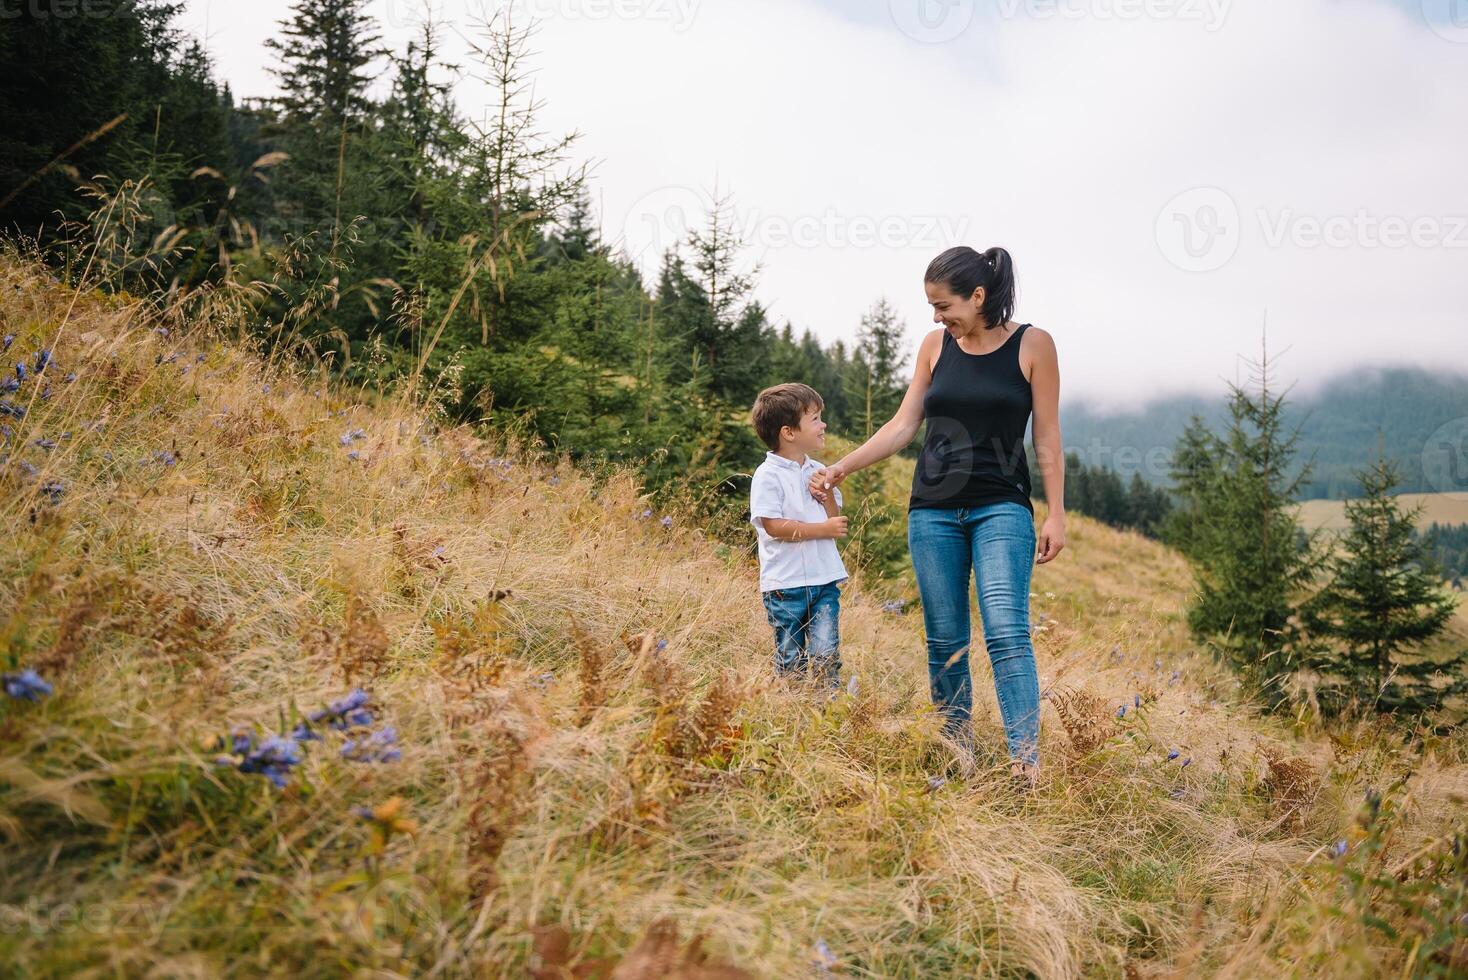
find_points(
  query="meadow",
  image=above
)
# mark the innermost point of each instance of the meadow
(339, 689)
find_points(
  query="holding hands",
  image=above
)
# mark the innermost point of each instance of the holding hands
(824, 480)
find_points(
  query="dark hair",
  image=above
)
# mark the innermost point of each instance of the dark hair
(780, 406)
(963, 270)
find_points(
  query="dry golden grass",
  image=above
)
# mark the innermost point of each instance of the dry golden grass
(569, 787)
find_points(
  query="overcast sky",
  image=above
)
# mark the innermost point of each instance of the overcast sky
(1164, 172)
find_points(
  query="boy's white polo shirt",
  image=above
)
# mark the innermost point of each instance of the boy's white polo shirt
(780, 489)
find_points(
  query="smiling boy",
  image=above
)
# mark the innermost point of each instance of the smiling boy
(800, 568)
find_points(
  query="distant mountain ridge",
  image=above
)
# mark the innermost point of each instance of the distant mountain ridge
(1421, 415)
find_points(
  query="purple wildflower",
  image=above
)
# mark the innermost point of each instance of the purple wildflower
(1340, 848)
(165, 457)
(44, 443)
(662, 644)
(354, 455)
(303, 733)
(8, 385)
(273, 759)
(70, 377)
(9, 339)
(14, 411)
(43, 360)
(378, 746)
(645, 515)
(54, 491)
(1173, 755)
(1186, 762)
(666, 522)
(896, 607)
(1121, 712)
(161, 330)
(25, 685)
(20, 371)
(347, 712)
(1136, 701)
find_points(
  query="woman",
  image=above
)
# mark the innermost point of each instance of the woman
(976, 381)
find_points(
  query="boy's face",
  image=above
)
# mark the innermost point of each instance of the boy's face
(810, 438)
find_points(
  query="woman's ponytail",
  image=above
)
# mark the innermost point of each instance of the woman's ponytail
(963, 270)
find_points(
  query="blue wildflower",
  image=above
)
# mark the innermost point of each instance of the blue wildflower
(1186, 762)
(936, 783)
(645, 515)
(43, 360)
(20, 371)
(666, 522)
(70, 377)
(29, 468)
(378, 746)
(346, 712)
(44, 443)
(9, 339)
(8, 385)
(25, 685)
(1340, 848)
(165, 457)
(273, 759)
(241, 741)
(303, 733)
(1136, 701)
(1121, 712)
(896, 607)
(54, 490)
(354, 455)
(265, 388)
(555, 481)
(825, 959)
(351, 436)
(364, 812)
(161, 330)
(1173, 755)
(662, 644)
(14, 411)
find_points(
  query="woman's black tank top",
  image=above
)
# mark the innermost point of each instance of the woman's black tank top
(977, 408)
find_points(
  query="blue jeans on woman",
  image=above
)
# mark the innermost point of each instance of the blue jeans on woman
(806, 621)
(997, 543)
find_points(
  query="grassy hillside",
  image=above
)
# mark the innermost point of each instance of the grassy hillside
(572, 758)
(1444, 508)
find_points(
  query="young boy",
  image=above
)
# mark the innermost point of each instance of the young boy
(799, 567)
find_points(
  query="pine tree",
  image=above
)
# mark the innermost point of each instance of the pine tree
(325, 62)
(1384, 598)
(1251, 562)
(875, 385)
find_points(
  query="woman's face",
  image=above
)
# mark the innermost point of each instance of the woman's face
(959, 315)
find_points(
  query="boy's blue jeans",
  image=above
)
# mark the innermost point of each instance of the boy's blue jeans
(997, 543)
(807, 633)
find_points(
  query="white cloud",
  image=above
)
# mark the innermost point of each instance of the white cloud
(1061, 137)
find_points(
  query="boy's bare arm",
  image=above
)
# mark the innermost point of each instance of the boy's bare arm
(832, 508)
(784, 529)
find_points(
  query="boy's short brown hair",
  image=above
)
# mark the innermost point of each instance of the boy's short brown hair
(780, 406)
